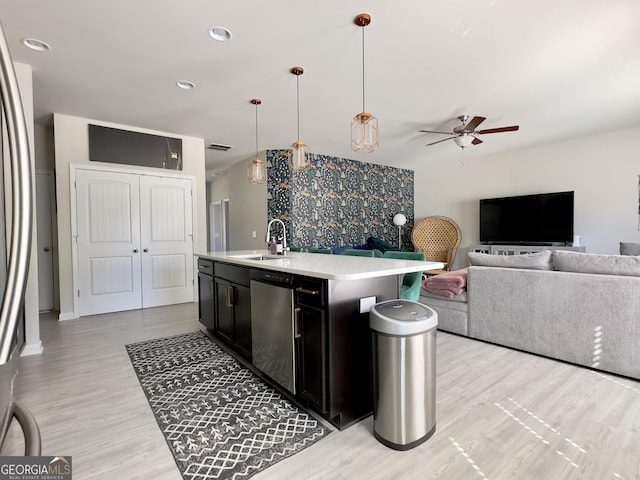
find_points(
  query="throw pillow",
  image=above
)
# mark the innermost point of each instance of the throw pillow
(628, 248)
(530, 261)
(375, 243)
(567, 261)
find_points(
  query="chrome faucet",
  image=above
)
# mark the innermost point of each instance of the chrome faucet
(284, 233)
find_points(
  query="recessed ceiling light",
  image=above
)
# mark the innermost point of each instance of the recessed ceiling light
(185, 84)
(35, 44)
(221, 34)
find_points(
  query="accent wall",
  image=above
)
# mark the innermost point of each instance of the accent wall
(338, 202)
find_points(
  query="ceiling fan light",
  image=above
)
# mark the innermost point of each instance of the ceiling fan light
(364, 132)
(463, 140)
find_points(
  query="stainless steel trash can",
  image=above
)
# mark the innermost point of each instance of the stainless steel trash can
(404, 372)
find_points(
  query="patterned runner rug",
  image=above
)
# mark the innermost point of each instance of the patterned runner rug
(220, 420)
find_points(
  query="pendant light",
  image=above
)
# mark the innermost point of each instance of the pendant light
(257, 170)
(364, 126)
(299, 150)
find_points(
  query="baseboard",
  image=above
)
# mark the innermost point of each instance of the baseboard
(66, 316)
(32, 349)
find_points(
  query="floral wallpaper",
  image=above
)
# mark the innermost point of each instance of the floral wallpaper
(338, 202)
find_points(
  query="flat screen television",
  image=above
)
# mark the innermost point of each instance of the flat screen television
(542, 219)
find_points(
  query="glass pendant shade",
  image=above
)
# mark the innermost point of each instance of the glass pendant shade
(364, 132)
(299, 156)
(365, 136)
(257, 171)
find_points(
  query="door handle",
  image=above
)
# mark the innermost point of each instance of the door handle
(308, 292)
(229, 299)
(145, 250)
(296, 323)
(135, 250)
(46, 249)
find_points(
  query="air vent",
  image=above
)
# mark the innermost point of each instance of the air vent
(218, 146)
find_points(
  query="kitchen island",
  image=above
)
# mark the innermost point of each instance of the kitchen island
(302, 320)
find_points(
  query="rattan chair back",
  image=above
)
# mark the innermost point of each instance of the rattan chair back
(438, 237)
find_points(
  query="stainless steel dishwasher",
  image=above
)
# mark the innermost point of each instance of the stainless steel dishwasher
(273, 326)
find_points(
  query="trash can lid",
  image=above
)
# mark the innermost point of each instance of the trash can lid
(402, 317)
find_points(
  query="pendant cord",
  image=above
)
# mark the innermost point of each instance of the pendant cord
(298, 102)
(256, 130)
(363, 96)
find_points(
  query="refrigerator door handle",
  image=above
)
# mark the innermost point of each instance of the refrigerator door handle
(18, 251)
(21, 202)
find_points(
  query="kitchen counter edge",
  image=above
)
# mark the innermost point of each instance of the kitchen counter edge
(330, 267)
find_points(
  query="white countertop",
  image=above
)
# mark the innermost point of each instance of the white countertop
(330, 267)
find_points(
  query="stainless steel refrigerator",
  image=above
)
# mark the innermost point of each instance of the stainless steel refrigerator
(15, 227)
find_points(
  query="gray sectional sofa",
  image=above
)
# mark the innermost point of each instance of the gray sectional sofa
(578, 307)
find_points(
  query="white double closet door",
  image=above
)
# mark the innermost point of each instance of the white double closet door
(134, 241)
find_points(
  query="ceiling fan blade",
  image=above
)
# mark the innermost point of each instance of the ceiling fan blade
(439, 141)
(476, 141)
(473, 124)
(498, 130)
(433, 131)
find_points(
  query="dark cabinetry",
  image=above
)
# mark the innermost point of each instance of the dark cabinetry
(333, 345)
(331, 335)
(206, 291)
(224, 322)
(233, 307)
(349, 374)
(311, 342)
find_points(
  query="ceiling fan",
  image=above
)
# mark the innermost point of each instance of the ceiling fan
(466, 134)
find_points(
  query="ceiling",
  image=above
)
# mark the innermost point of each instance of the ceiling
(560, 70)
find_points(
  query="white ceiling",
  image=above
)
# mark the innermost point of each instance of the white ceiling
(559, 69)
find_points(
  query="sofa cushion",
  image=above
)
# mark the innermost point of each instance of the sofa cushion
(530, 261)
(375, 243)
(452, 313)
(568, 261)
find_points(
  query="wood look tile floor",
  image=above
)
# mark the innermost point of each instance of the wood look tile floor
(501, 414)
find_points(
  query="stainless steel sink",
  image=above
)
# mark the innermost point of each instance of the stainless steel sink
(258, 257)
(264, 258)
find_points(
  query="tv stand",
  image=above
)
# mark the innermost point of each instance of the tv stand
(520, 249)
(528, 244)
